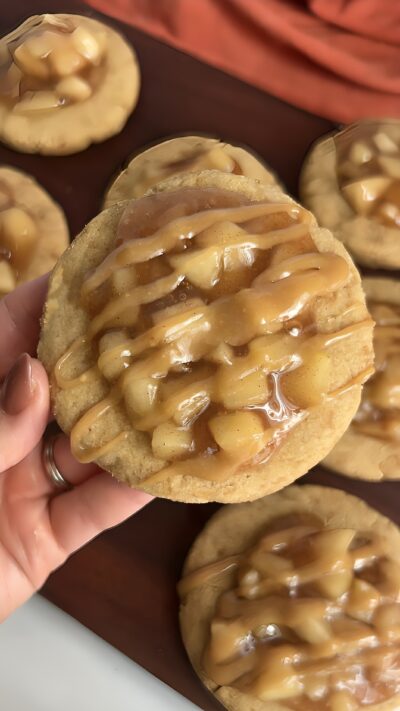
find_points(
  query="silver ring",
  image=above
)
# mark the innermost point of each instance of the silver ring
(53, 473)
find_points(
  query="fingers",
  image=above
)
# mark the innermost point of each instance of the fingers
(73, 471)
(24, 410)
(20, 313)
(99, 503)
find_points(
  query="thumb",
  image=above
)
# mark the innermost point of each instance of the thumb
(24, 410)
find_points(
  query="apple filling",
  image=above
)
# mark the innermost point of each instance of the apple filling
(379, 413)
(50, 62)
(18, 235)
(182, 158)
(368, 169)
(202, 321)
(310, 618)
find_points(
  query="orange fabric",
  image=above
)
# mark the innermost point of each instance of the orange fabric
(336, 58)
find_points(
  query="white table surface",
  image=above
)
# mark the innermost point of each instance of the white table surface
(50, 662)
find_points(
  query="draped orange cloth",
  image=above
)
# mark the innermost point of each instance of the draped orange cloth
(336, 58)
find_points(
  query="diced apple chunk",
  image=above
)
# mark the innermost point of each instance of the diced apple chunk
(112, 367)
(188, 406)
(7, 278)
(40, 46)
(29, 64)
(73, 88)
(333, 541)
(250, 390)
(220, 234)
(215, 159)
(124, 279)
(18, 230)
(390, 165)
(384, 143)
(200, 267)
(171, 442)
(360, 153)
(274, 685)
(363, 599)
(314, 630)
(140, 394)
(222, 354)
(306, 385)
(86, 44)
(275, 351)
(335, 585)
(237, 430)
(224, 639)
(66, 60)
(362, 193)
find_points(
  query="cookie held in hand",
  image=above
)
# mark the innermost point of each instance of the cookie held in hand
(207, 342)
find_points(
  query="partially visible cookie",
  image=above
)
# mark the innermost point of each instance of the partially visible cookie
(66, 81)
(370, 449)
(291, 603)
(33, 229)
(207, 342)
(351, 182)
(184, 154)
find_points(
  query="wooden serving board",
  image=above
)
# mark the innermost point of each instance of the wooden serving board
(122, 585)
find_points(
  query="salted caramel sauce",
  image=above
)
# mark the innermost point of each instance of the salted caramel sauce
(368, 171)
(212, 349)
(308, 616)
(50, 62)
(379, 413)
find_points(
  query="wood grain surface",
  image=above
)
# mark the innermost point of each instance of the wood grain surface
(122, 585)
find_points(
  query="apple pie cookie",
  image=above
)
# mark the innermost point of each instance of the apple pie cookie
(370, 449)
(351, 182)
(184, 154)
(66, 81)
(291, 603)
(206, 342)
(33, 229)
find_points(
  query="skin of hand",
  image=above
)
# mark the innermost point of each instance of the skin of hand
(40, 527)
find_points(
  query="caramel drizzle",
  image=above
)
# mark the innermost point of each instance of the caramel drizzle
(301, 610)
(379, 414)
(277, 294)
(175, 232)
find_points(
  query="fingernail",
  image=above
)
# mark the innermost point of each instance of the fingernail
(18, 387)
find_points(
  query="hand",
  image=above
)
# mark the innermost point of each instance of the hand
(38, 529)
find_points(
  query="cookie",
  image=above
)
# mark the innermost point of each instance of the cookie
(370, 448)
(184, 154)
(66, 81)
(290, 603)
(206, 342)
(33, 229)
(351, 182)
